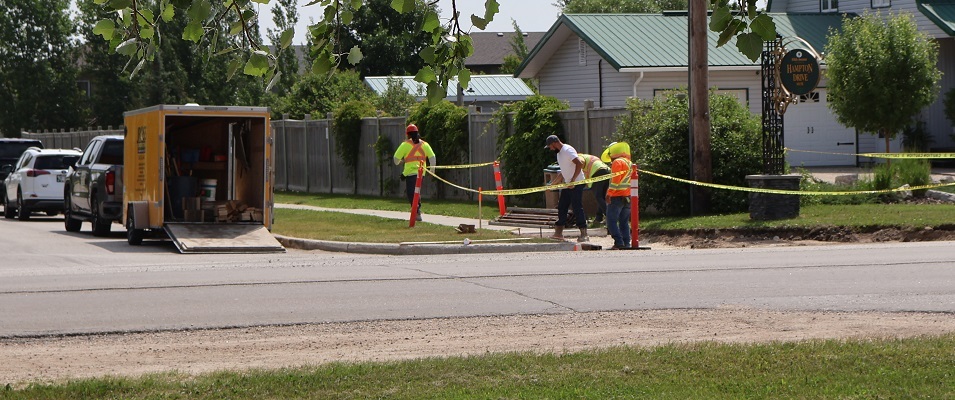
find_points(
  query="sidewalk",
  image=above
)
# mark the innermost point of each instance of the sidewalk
(430, 249)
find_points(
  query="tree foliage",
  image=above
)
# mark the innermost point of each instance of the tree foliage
(658, 132)
(348, 133)
(37, 67)
(396, 100)
(134, 33)
(319, 94)
(389, 40)
(881, 73)
(285, 16)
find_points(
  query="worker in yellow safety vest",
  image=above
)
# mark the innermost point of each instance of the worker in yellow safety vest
(593, 167)
(413, 152)
(618, 194)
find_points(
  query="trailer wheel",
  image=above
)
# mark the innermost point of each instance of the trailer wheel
(133, 236)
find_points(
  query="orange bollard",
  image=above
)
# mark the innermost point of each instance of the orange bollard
(417, 196)
(634, 209)
(500, 186)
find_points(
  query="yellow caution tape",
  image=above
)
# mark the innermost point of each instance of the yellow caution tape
(464, 165)
(881, 155)
(516, 192)
(795, 192)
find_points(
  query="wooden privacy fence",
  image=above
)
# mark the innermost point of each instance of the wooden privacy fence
(306, 159)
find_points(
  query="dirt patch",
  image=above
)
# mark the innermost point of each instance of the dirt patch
(728, 238)
(193, 352)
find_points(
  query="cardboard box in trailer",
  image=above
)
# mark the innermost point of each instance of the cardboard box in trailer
(202, 174)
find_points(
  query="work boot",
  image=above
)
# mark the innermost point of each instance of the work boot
(583, 235)
(558, 233)
(418, 218)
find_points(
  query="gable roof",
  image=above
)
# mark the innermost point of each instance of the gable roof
(660, 40)
(491, 47)
(481, 87)
(940, 12)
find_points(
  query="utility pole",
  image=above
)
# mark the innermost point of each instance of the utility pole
(701, 166)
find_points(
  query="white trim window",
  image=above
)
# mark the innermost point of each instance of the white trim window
(881, 3)
(829, 5)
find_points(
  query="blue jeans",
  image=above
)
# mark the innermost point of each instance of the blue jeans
(618, 221)
(572, 197)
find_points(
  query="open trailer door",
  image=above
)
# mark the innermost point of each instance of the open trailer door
(222, 238)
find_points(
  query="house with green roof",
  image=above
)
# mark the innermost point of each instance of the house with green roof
(608, 58)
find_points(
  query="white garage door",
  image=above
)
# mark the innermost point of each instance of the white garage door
(810, 125)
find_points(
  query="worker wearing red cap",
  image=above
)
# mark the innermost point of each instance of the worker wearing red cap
(413, 152)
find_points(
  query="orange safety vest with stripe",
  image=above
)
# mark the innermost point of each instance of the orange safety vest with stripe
(417, 151)
(620, 185)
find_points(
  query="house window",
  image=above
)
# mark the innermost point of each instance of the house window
(881, 3)
(829, 5)
(581, 52)
(811, 97)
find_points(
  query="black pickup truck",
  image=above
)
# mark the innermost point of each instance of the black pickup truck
(94, 186)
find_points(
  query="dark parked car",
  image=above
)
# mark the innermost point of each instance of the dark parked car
(94, 186)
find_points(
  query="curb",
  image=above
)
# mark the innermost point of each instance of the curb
(421, 249)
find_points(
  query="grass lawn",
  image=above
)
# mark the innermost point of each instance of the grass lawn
(315, 225)
(910, 368)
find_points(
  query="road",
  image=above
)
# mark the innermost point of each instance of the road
(53, 282)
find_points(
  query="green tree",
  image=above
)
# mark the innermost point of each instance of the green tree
(445, 127)
(658, 132)
(390, 41)
(522, 154)
(881, 73)
(37, 67)
(618, 6)
(319, 94)
(112, 92)
(396, 100)
(347, 133)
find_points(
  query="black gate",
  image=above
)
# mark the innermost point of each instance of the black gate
(773, 157)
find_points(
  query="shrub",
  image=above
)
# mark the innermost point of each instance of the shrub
(348, 133)
(914, 172)
(658, 133)
(522, 153)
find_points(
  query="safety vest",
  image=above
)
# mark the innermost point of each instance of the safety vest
(592, 164)
(417, 151)
(620, 185)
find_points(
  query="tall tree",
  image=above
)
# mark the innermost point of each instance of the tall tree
(619, 6)
(881, 73)
(37, 67)
(111, 91)
(382, 33)
(285, 16)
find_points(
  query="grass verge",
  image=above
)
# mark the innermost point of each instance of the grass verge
(451, 208)
(883, 368)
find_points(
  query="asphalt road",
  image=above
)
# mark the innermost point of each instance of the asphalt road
(53, 282)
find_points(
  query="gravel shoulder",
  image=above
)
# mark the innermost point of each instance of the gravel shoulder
(57, 359)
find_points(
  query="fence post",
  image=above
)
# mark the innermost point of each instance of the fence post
(285, 148)
(328, 160)
(308, 118)
(588, 104)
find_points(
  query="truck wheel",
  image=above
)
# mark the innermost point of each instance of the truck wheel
(133, 236)
(100, 225)
(23, 214)
(8, 211)
(71, 224)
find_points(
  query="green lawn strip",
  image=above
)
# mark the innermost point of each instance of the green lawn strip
(344, 227)
(451, 208)
(879, 368)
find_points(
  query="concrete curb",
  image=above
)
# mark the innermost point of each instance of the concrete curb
(420, 249)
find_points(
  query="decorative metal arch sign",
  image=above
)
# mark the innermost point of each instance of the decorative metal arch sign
(799, 72)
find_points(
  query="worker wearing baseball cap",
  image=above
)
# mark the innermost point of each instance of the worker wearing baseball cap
(571, 170)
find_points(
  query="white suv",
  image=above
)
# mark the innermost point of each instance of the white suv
(36, 182)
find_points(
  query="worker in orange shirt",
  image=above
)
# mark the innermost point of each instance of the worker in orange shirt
(618, 194)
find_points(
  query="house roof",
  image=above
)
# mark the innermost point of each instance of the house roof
(481, 87)
(660, 40)
(940, 12)
(491, 47)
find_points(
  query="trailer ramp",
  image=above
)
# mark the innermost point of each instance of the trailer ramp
(222, 238)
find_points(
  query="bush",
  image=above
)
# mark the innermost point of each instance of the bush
(318, 94)
(445, 127)
(348, 133)
(658, 133)
(522, 152)
(914, 172)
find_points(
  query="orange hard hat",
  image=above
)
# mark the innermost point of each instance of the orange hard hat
(411, 128)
